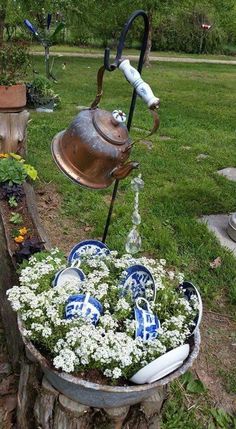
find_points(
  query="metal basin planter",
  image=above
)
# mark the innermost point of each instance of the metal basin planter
(104, 396)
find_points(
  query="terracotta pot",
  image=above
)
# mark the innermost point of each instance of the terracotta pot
(103, 396)
(12, 98)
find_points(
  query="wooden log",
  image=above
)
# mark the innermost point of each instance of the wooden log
(33, 212)
(8, 278)
(71, 415)
(117, 415)
(13, 132)
(152, 408)
(29, 387)
(44, 405)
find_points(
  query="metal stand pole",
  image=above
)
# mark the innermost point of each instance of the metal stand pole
(112, 67)
(47, 72)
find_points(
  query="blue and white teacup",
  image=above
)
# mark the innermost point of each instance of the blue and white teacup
(137, 281)
(83, 306)
(147, 324)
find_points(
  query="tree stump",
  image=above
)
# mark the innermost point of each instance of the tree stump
(13, 132)
(42, 406)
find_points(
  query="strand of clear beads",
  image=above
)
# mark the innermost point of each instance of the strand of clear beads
(134, 241)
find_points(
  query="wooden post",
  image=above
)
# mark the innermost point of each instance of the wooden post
(13, 132)
(8, 278)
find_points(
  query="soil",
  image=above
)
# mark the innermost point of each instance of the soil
(217, 358)
(63, 233)
(12, 228)
(218, 330)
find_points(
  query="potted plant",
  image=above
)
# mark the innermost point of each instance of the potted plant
(83, 323)
(40, 94)
(14, 61)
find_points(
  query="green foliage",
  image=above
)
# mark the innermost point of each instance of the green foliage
(182, 31)
(12, 171)
(41, 93)
(16, 218)
(175, 414)
(176, 25)
(30, 171)
(12, 202)
(222, 419)
(191, 384)
(14, 61)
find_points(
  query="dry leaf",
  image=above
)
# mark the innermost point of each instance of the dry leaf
(216, 263)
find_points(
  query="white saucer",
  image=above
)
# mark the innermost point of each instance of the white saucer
(68, 274)
(162, 366)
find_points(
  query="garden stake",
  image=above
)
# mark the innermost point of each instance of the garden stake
(46, 41)
(112, 67)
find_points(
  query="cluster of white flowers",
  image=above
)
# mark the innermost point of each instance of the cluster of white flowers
(111, 345)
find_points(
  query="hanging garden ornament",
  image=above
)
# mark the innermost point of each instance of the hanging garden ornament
(134, 241)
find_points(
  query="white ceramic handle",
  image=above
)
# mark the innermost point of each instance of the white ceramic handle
(146, 302)
(76, 263)
(141, 87)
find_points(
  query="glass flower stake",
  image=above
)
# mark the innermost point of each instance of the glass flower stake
(134, 241)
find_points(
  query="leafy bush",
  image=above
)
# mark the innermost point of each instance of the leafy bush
(14, 60)
(13, 170)
(40, 93)
(183, 32)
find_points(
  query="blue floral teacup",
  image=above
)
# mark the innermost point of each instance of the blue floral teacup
(138, 281)
(147, 324)
(83, 306)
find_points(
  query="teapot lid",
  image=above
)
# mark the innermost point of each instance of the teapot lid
(110, 126)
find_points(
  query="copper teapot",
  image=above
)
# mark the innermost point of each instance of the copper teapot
(94, 149)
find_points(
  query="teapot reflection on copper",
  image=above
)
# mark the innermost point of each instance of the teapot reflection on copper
(94, 149)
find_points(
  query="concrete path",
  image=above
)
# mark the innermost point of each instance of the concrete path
(135, 58)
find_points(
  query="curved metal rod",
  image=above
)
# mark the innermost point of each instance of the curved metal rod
(120, 47)
(113, 66)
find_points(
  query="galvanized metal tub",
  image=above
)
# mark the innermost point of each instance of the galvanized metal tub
(231, 229)
(103, 396)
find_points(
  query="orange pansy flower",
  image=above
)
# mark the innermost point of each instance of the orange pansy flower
(23, 231)
(19, 239)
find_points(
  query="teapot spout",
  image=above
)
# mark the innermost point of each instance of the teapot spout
(122, 171)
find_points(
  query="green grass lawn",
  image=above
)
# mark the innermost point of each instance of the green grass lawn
(198, 114)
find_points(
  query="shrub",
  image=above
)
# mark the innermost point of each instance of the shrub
(14, 61)
(183, 32)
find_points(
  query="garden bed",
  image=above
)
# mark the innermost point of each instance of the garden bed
(30, 220)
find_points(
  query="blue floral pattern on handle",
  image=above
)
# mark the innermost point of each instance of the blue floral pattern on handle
(147, 324)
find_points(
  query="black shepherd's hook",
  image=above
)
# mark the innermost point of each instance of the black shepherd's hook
(120, 47)
(113, 66)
